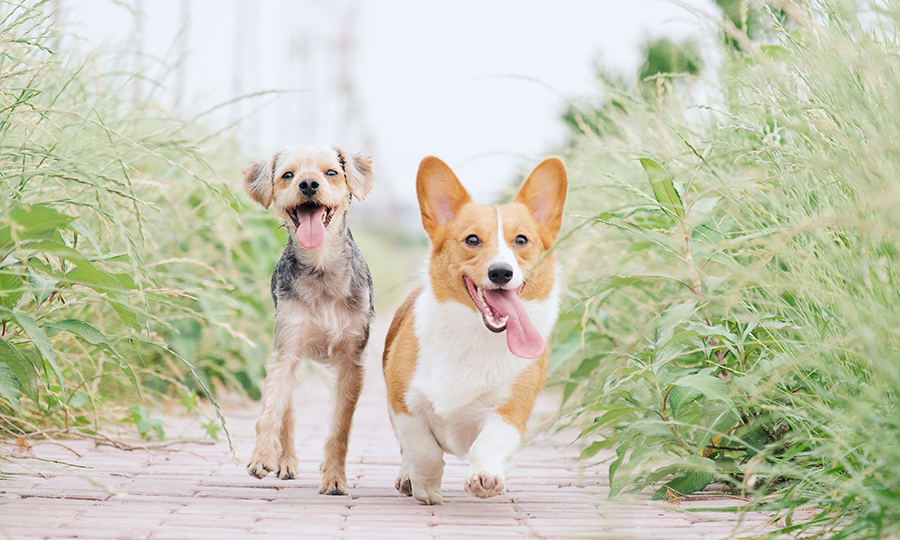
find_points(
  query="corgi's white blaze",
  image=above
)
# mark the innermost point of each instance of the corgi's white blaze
(464, 372)
(505, 255)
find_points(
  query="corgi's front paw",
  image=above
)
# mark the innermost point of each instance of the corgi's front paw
(427, 492)
(403, 485)
(485, 485)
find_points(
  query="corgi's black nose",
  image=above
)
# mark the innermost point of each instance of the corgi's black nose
(500, 274)
(309, 186)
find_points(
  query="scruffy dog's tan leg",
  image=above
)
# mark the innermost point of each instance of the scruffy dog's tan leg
(274, 451)
(347, 388)
(287, 464)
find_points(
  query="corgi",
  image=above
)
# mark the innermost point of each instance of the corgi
(466, 353)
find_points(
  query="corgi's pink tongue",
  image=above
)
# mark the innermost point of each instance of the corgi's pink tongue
(522, 337)
(311, 230)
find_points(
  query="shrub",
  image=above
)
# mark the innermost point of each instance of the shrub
(734, 311)
(128, 271)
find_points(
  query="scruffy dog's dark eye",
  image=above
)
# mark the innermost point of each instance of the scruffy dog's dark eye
(331, 172)
(521, 240)
(288, 175)
(473, 241)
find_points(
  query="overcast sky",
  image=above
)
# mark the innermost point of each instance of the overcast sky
(479, 83)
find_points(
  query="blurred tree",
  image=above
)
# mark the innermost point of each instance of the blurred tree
(596, 115)
(754, 21)
(667, 56)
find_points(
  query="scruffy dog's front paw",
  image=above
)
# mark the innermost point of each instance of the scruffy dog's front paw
(287, 468)
(261, 464)
(333, 486)
(485, 485)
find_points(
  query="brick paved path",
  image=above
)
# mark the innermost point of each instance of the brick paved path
(200, 491)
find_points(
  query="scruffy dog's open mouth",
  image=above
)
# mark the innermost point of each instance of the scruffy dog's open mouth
(310, 220)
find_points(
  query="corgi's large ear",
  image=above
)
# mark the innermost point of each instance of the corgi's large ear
(440, 194)
(358, 171)
(544, 193)
(258, 181)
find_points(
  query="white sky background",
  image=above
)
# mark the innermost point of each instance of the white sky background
(480, 84)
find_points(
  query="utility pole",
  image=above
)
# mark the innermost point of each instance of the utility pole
(182, 49)
(137, 49)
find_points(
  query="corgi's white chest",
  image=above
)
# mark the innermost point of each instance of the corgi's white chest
(464, 372)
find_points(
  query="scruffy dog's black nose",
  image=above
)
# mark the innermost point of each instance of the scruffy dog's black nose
(500, 273)
(308, 187)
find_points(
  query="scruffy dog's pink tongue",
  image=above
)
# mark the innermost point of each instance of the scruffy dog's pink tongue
(522, 337)
(311, 230)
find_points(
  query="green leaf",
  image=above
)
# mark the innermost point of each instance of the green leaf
(565, 351)
(22, 368)
(694, 475)
(84, 331)
(34, 222)
(40, 341)
(78, 399)
(9, 388)
(595, 447)
(212, 429)
(640, 453)
(673, 316)
(711, 387)
(626, 212)
(612, 415)
(588, 365)
(96, 337)
(702, 210)
(680, 396)
(85, 273)
(11, 289)
(141, 418)
(775, 52)
(42, 288)
(663, 187)
(653, 428)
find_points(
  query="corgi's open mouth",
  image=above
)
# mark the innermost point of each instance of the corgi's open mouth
(494, 321)
(502, 309)
(310, 220)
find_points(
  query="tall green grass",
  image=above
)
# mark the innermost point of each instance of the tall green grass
(734, 313)
(130, 275)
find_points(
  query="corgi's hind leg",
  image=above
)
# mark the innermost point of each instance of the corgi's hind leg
(422, 459)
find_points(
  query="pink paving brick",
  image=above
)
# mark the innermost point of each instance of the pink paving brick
(202, 492)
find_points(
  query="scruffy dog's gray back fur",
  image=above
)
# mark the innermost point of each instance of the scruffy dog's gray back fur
(294, 280)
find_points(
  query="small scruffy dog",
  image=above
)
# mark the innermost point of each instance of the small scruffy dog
(322, 291)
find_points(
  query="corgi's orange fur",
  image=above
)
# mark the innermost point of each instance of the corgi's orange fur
(466, 353)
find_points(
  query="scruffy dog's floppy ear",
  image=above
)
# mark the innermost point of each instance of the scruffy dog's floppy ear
(358, 170)
(258, 181)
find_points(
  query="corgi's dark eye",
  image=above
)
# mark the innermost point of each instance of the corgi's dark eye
(331, 172)
(521, 240)
(473, 241)
(287, 176)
